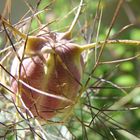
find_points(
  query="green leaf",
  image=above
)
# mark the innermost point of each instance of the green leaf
(1, 40)
(135, 34)
(127, 66)
(119, 50)
(125, 80)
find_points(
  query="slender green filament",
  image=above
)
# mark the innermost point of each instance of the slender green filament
(100, 43)
(22, 35)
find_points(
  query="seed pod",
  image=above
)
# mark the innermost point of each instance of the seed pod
(58, 73)
(47, 76)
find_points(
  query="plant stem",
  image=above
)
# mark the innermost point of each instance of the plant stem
(100, 43)
(68, 33)
(5, 22)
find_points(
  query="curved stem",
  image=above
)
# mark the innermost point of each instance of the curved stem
(100, 43)
(67, 34)
(76, 18)
(5, 22)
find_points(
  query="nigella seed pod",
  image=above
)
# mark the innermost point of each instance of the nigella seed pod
(47, 73)
(58, 73)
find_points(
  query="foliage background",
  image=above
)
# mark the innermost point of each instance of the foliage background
(110, 107)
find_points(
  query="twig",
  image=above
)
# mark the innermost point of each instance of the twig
(100, 43)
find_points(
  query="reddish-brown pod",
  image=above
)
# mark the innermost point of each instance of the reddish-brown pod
(46, 71)
(56, 72)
